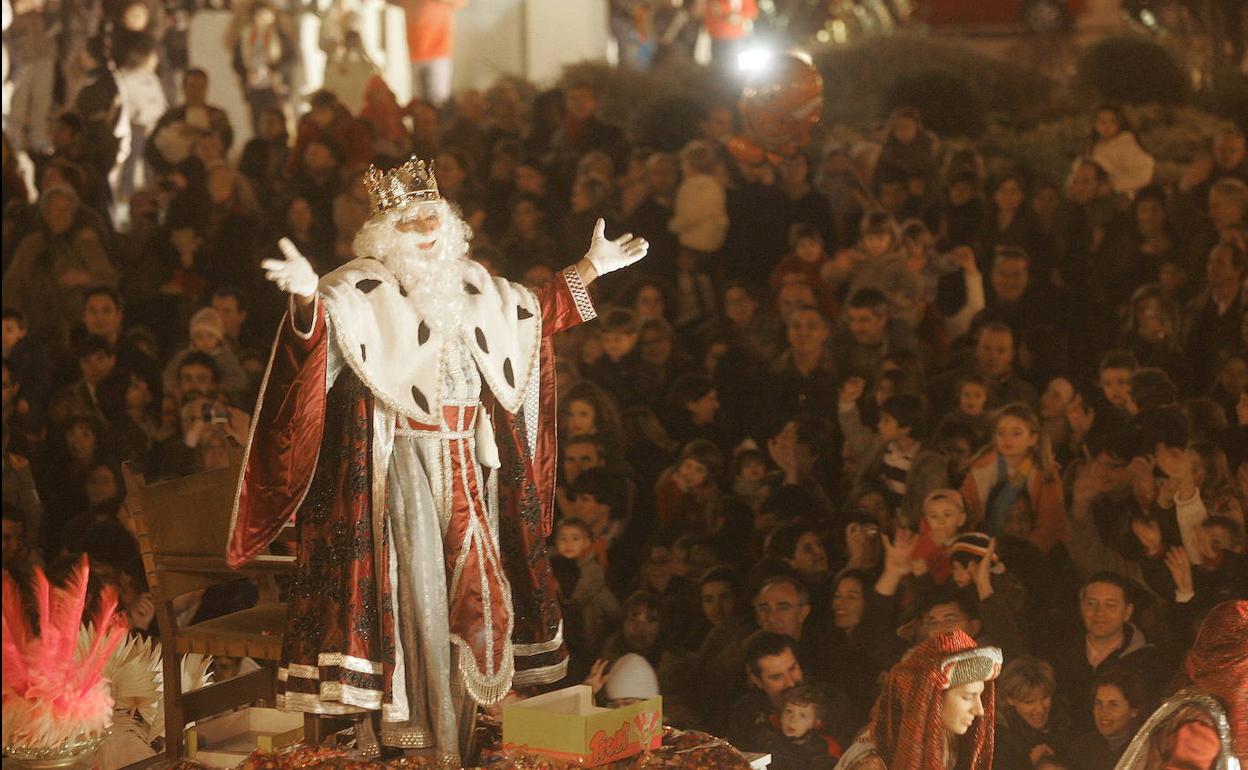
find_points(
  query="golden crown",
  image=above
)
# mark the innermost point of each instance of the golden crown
(401, 186)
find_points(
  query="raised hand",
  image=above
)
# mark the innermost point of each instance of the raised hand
(607, 255)
(851, 390)
(899, 552)
(1148, 532)
(597, 676)
(983, 571)
(293, 274)
(1180, 569)
(964, 257)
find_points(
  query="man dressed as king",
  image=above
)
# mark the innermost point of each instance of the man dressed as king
(407, 421)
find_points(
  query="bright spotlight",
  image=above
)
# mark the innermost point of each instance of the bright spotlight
(753, 60)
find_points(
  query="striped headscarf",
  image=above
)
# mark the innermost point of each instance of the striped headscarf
(907, 724)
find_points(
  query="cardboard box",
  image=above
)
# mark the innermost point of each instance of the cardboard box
(227, 740)
(566, 725)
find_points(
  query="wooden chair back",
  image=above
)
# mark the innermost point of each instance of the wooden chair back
(182, 526)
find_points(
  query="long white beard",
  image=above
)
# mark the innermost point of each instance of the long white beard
(433, 278)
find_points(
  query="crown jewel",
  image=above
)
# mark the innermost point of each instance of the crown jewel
(412, 182)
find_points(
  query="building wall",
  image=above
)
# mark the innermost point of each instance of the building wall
(528, 38)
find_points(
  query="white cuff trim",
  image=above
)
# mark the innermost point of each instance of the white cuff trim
(294, 316)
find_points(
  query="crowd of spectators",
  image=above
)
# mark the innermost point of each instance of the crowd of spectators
(846, 403)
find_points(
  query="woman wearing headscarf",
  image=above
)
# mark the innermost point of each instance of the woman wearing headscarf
(935, 711)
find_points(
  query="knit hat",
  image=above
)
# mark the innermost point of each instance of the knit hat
(208, 320)
(632, 677)
(973, 546)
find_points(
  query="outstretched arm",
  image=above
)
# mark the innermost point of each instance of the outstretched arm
(566, 301)
(294, 275)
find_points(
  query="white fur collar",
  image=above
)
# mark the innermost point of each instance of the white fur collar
(382, 334)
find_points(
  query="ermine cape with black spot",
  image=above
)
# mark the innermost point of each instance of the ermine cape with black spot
(387, 340)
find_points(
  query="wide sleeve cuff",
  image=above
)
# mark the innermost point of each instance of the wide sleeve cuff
(580, 293)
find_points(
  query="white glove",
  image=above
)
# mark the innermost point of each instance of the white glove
(294, 274)
(607, 256)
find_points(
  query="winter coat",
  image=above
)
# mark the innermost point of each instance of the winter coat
(1044, 493)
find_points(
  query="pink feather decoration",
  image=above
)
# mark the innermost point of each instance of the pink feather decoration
(17, 637)
(51, 695)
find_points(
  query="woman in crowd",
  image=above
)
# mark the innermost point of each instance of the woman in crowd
(1118, 707)
(935, 711)
(1028, 726)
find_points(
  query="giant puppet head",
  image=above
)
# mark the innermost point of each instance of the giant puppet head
(419, 237)
(780, 104)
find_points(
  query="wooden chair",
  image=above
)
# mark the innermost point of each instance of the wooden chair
(182, 527)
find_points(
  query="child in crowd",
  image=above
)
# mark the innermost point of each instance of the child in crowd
(798, 742)
(877, 239)
(1016, 476)
(965, 553)
(1114, 374)
(208, 336)
(901, 430)
(589, 608)
(972, 396)
(1116, 148)
(749, 477)
(808, 257)
(618, 369)
(972, 402)
(909, 149)
(687, 492)
(700, 216)
(944, 516)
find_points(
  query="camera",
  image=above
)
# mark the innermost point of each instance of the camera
(212, 413)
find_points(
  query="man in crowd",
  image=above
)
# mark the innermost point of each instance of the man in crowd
(1108, 639)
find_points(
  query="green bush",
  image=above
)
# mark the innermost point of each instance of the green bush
(1172, 135)
(1227, 94)
(858, 78)
(950, 106)
(656, 108)
(1132, 70)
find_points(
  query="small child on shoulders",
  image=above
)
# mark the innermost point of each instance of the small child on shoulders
(808, 257)
(687, 493)
(944, 516)
(700, 215)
